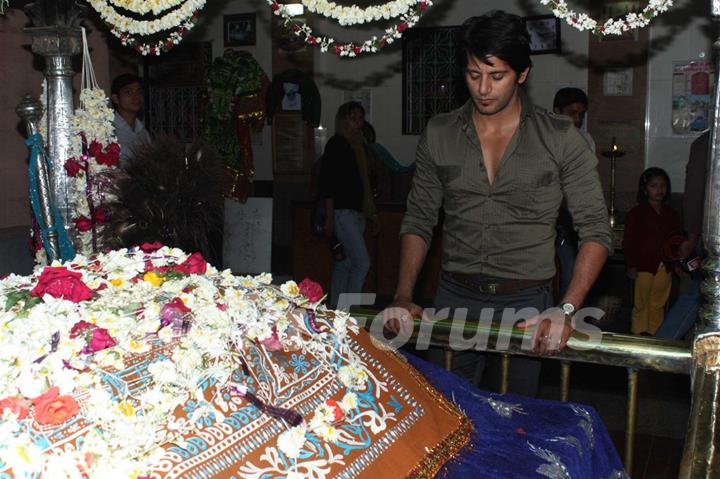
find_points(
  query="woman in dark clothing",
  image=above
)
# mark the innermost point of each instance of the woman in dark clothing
(345, 183)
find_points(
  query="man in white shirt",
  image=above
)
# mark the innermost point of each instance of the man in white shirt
(573, 103)
(127, 97)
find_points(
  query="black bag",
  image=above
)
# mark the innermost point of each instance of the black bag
(319, 211)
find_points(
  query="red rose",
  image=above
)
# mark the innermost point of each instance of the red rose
(335, 408)
(401, 27)
(79, 327)
(18, 405)
(357, 50)
(72, 167)
(113, 149)
(95, 149)
(195, 264)
(150, 247)
(59, 282)
(50, 408)
(83, 223)
(101, 215)
(311, 290)
(111, 158)
(100, 340)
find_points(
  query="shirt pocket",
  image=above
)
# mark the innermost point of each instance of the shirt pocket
(537, 194)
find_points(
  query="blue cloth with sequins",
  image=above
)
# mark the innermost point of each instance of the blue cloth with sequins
(518, 437)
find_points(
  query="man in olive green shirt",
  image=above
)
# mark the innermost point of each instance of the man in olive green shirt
(499, 167)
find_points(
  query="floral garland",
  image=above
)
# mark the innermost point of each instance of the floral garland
(161, 46)
(127, 29)
(632, 20)
(351, 49)
(95, 157)
(141, 7)
(86, 317)
(354, 15)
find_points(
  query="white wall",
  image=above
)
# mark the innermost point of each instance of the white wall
(382, 73)
(682, 34)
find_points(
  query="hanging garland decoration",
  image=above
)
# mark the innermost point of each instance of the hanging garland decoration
(142, 7)
(632, 20)
(235, 106)
(354, 15)
(351, 49)
(128, 29)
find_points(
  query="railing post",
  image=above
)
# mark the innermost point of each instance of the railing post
(701, 458)
(631, 419)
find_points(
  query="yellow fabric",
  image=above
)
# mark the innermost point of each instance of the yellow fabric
(651, 293)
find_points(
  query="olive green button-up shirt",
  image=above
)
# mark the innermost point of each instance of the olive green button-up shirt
(505, 229)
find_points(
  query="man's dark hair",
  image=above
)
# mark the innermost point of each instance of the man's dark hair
(568, 96)
(499, 34)
(121, 81)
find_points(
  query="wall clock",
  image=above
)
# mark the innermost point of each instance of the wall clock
(544, 33)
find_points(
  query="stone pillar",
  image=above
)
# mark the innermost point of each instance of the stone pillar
(56, 36)
(58, 45)
(701, 457)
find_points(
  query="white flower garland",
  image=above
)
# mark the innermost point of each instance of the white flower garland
(94, 121)
(147, 27)
(128, 303)
(354, 15)
(632, 20)
(141, 7)
(351, 49)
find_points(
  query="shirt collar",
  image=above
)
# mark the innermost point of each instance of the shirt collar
(527, 109)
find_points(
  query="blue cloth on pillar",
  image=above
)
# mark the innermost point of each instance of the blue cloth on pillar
(517, 437)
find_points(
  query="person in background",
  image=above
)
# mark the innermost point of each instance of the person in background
(684, 311)
(573, 103)
(345, 185)
(648, 226)
(499, 167)
(127, 97)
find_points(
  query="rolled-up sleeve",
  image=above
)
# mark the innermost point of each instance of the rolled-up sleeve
(425, 198)
(582, 189)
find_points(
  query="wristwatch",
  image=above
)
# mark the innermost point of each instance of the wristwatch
(568, 309)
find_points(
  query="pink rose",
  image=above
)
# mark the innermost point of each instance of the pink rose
(195, 264)
(72, 167)
(59, 282)
(311, 290)
(100, 340)
(18, 405)
(83, 223)
(273, 342)
(53, 409)
(101, 215)
(175, 313)
(150, 247)
(97, 338)
(95, 149)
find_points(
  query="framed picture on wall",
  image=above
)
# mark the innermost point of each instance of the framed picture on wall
(239, 30)
(544, 33)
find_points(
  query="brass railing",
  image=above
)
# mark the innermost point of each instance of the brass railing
(634, 353)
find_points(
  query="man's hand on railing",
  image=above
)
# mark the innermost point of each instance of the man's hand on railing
(398, 317)
(553, 329)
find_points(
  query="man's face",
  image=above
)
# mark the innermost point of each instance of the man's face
(576, 111)
(129, 98)
(492, 87)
